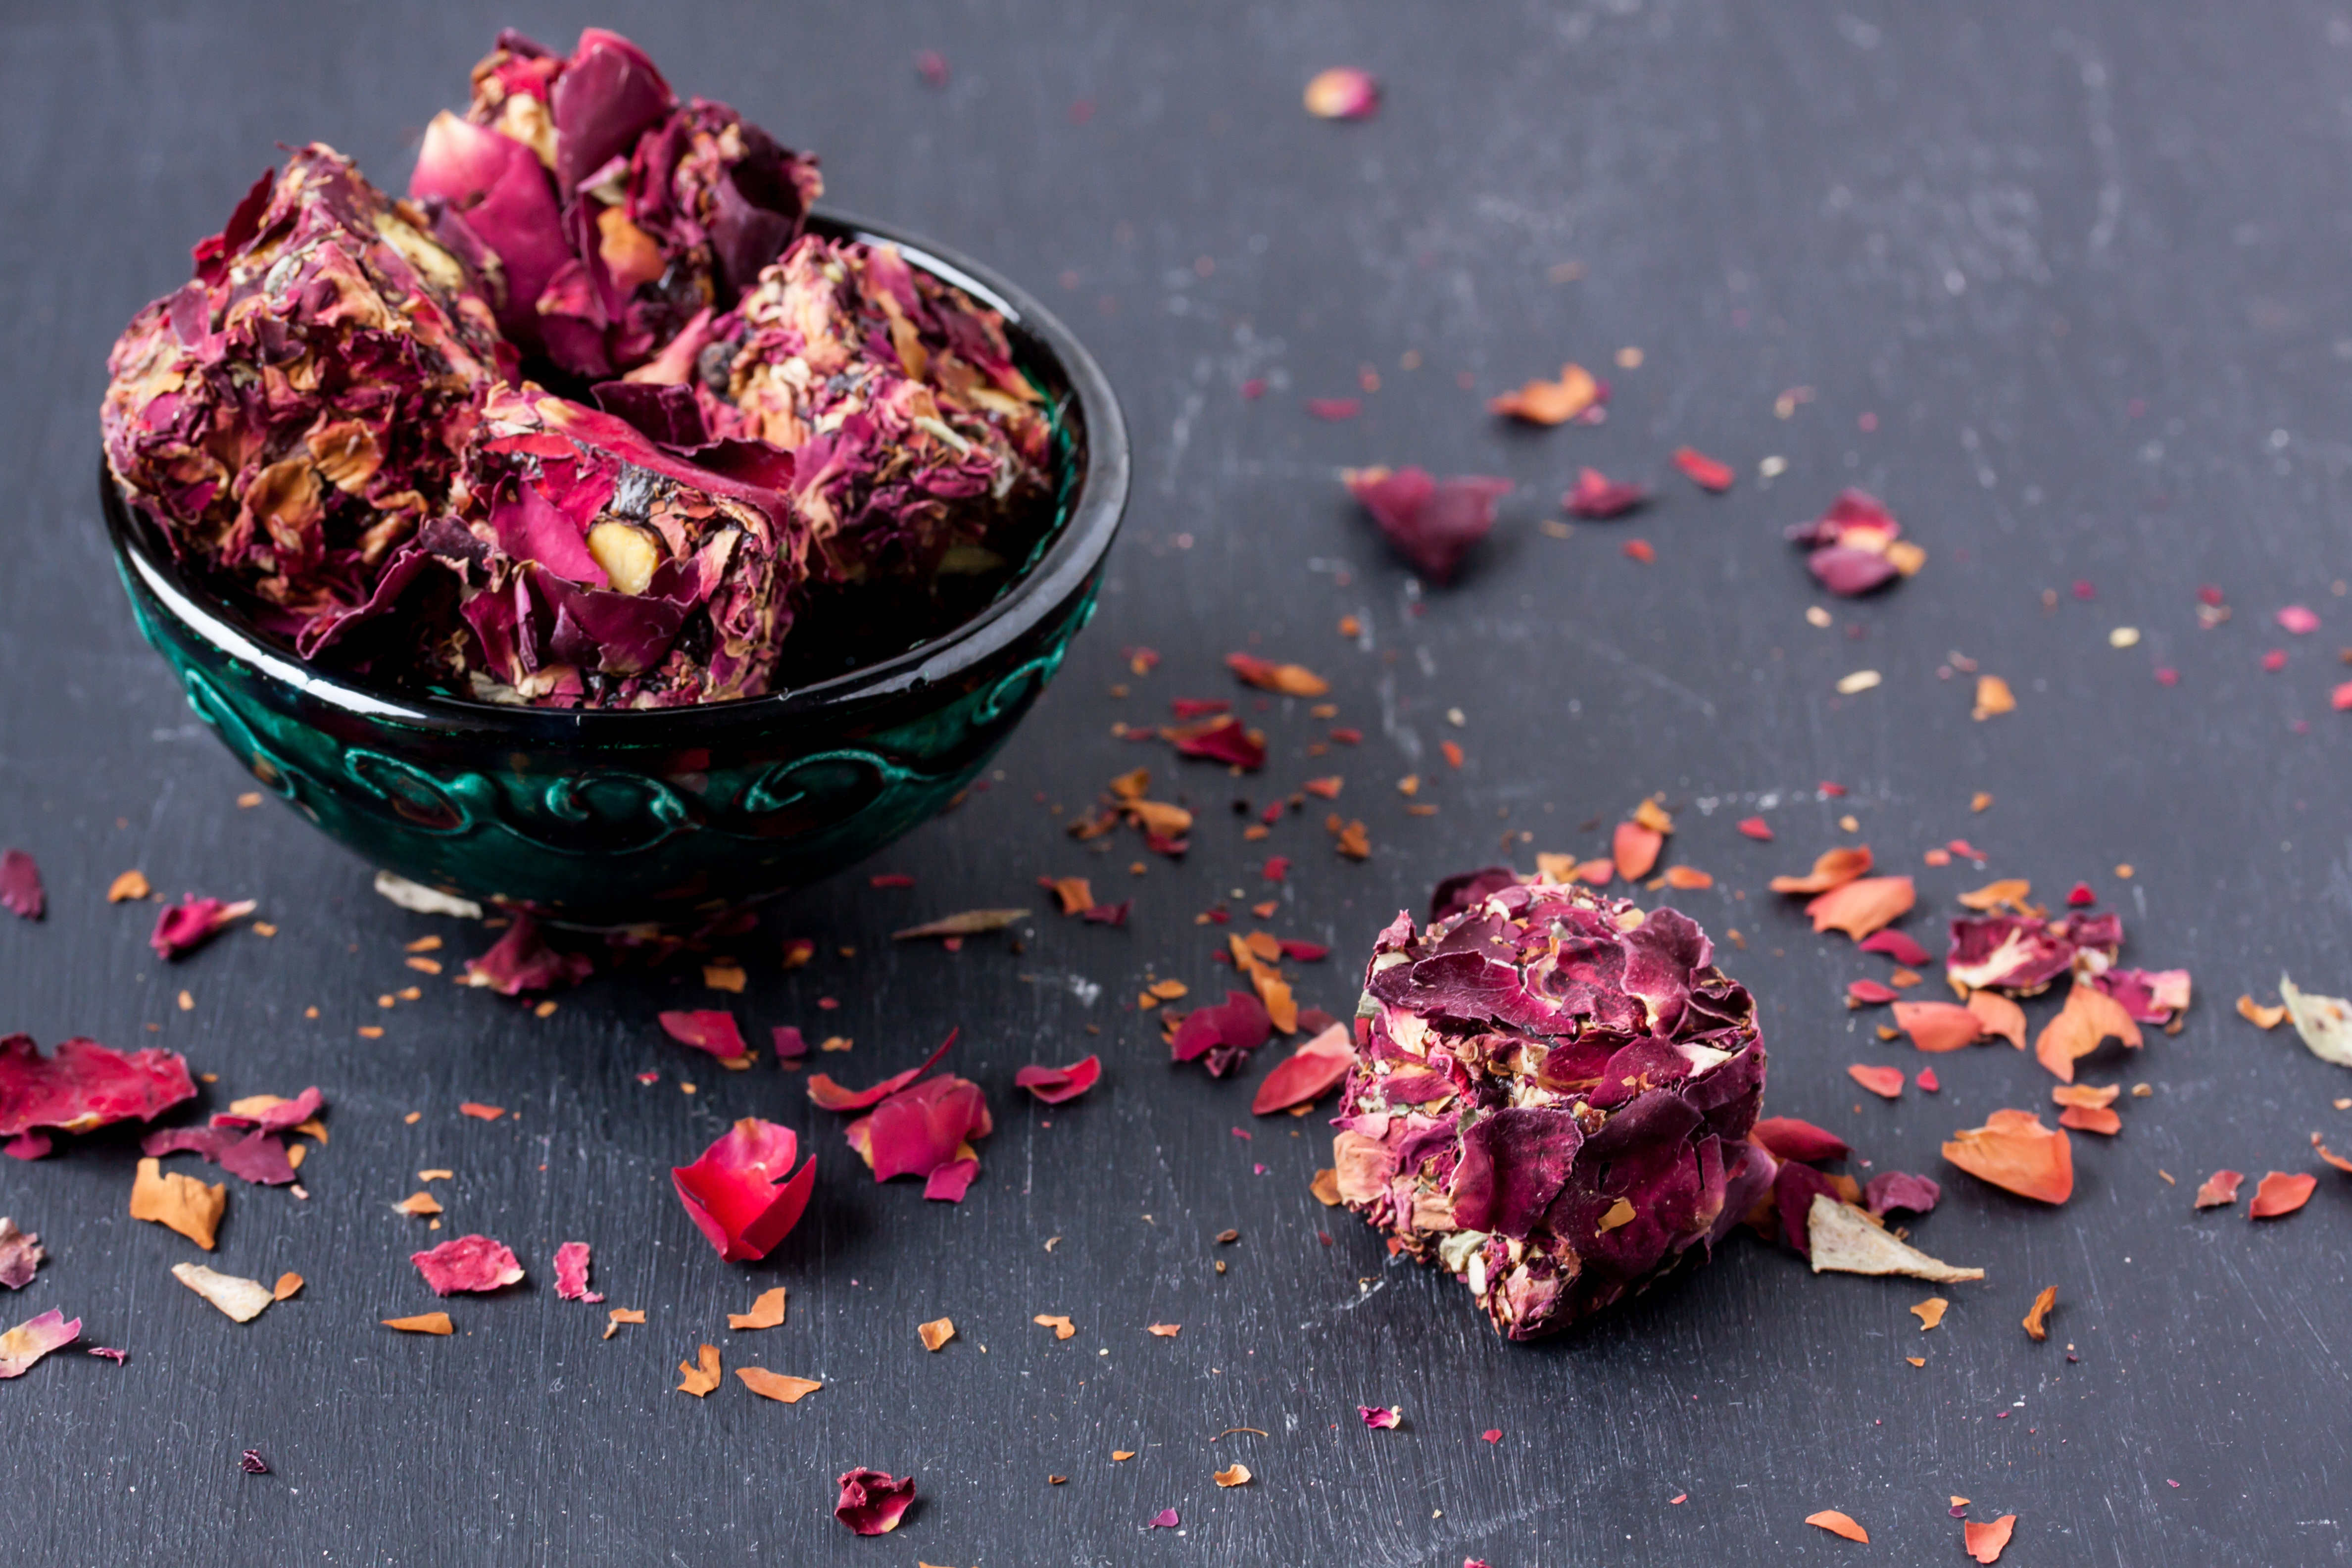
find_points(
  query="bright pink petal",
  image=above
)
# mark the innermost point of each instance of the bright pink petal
(738, 1194)
(1056, 1085)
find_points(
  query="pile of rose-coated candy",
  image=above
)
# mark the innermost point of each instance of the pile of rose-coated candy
(343, 421)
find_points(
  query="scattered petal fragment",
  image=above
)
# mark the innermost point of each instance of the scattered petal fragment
(872, 1502)
(1311, 1073)
(1343, 92)
(572, 1273)
(1056, 1086)
(1930, 1313)
(1837, 1523)
(1884, 1081)
(2015, 1151)
(1860, 908)
(1845, 1239)
(2037, 1317)
(85, 1085)
(2218, 1189)
(1234, 1475)
(20, 885)
(775, 1385)
(34, 1338)
(1984, 1541)
(242, 1300)
(181, 1203)
(1704, 471)
(20, 1255)
(422, 1323)
(936, 1332)
(473, 1263)
(2280, 1193)
(1432, 523)
(2324, 1022)
(1551, 402)
(700, 1375)
(766, 1311)
(1379, 1419)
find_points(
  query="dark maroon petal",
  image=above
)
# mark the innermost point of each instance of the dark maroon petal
(1794, 1139)
(1430, 524)
(790, 1044)
(184, 927)
(1108, 914)
(254, 1156)
(1512, 1166)
(1901, 1190)
(608, 92)
(872, 1502)
(20, 885)
(1460, 891)
(1596, 500)
(667, 415)
(1792, 1195)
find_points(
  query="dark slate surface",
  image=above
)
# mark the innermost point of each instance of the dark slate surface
(2084, 266)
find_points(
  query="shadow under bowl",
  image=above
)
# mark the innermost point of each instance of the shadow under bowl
(603, 819)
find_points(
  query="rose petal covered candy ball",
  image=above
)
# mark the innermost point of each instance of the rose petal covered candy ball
(302, 406)
(1551, 1097)
(916, 439)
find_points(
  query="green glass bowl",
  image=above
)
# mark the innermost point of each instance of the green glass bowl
(600, 819)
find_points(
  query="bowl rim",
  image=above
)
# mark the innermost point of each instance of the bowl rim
(1075, 555)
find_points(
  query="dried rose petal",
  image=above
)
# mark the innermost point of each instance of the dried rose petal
(522, 961)
(872, 1501)
(1900, 1190)
(31, 1339)
(833, 1097)
(1633, 849)
(2148, 995)
(1836, 868)
(743, 1193)
(85, 1085)
(1432, 523)
(2022, 954)
(2299, 620)
(1056, 1085)
(572, 1273)
(1899, 946)
(20, 885)
(1623, 1050)
(1596, 500)
(20, 1255)
(1792, 1139)
(716, 1032)
(1841, 1238)
(2089, 1018)
(2014, 1150)
(240, 1300)
(1290, 680)
(1166, 1519)
(468, 1263)
(1985, 1542)
(1704, 471)
(1860, 908)
(1312, 1071)
(921, 1128)
(2002, 1018)
(1938, 1025)
(1379, 1419)
(1343, 92)
(255, 1156)
(1837, 1523)
(1551, 402)
(184, 927)
(2280, 1193)
(269, 1113)
(2220, 1188)
(950, 1181)
(1884, 1081)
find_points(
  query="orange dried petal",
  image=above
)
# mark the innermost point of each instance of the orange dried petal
(1938, 1025)
(2280, 1193)
(1885, 1082)
(2015, 1153)
(2037, 1317)
(2090, 1016)
(1688, 877)
(1633, 849)
(1549, 401)
(1833, 869)
(1837, 1524)
(1862, 906)
(1984, 1541)
(2010, 891)
(2001, 1018)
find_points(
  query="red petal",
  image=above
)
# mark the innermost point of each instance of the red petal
(738, 1194)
